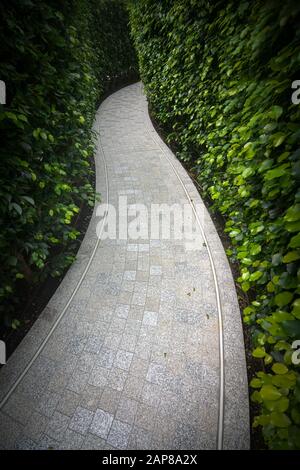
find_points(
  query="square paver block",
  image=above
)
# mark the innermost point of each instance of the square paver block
(132, 327)
(119, 435)
(92, 442)
(57, 426)
(144, 247)
(128, 342)
(47, 443)
(98, 376)
(130, 265)
(145, 417)
(122, 311)
(129, 275)
(90, 397)
(155, 270)
(139, 367)
(170, 404)
(152, 303)
(142, 276)
(81, 420)
(78, 381)
(76, 344)
(127, 410)
(117, 379)
(150, 318)
(132, 247)
(139, 439)
(128, 286)
(157, 374)
(123, 359)
(48, 403)
(136, 312)
(112, 340)
(117, 326)
(71, 441)
(186, 437)
(86, 361)
(133, 387)
(109, 400)
(24, 443)
(58, 382)
(68, 402)
(163, 431)
(140, 287)
(125, 297)
(36, 426)
(144, 349)
(106, 357)
(151, 394)
(105, 314)
(94, 344)
(139, 298)
(101, 423)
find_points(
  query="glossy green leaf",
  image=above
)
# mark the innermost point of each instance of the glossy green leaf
(259, 352)
(284, 298)
(280, 420)
(292, 328)
(269, 392)
(295, 241)
(279, 368)
(291, 256)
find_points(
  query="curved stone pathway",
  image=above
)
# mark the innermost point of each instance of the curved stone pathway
(137, 359)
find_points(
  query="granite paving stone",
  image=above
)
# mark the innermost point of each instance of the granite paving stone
(57, 425)
(117, 378)
(145, 417)
(48, 403)
(127, 410)
(123, 359)
(36, 426)
(68, 402)
(119, 435)
(81, 420)
(71, 440)
(25, 443)
(47, 443)
(101, 423)
(122, 311)
(150, 318)
(91, 442)
(78, 381)
(109, 400)
(140, 439)
(106, 357)
(99, 376)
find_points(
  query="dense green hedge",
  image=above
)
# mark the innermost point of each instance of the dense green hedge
(57, 59)
(218, 75)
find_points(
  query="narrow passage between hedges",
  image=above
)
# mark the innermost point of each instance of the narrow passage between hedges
(149, 354)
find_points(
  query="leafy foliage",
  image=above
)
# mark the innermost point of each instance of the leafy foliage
(218, 76)
(57, 59)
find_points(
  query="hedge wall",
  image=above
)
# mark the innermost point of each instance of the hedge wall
(218, 76)
(57, 59)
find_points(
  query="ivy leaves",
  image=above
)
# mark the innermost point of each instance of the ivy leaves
(56, 61)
